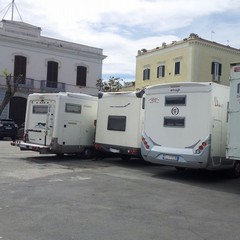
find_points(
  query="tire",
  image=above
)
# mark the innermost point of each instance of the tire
(14, 138)
(88, 153)
(235, 171)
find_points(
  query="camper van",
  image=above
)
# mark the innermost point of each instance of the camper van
(233, 135)
(119, 123)
(185, 125)
(60, 123)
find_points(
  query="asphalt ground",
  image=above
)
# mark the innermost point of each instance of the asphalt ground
(43, 197)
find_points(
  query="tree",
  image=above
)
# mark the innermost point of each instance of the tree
(112, 85)
(12, 87)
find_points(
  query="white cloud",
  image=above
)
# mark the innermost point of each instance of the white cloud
(121, 28)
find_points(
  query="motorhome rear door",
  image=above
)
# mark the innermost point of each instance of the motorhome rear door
(40, 125)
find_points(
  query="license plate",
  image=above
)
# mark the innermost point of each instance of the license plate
(114, 150)
(8, 128)
(170, 157)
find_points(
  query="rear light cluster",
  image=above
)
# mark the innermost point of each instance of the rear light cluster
(201, 147)
(132, 151)
(145, 143)
(25, 137)
(97, 146)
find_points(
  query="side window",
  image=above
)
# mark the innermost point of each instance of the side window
(177, 68)
(146, 74)
(117, 123)
(238, 88)
(216, 71)
(73, 108)
(40, 109)
(161, 71)
(81, 76)
(52, 74)
(20, 66)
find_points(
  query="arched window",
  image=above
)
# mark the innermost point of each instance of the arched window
(52, 74)
(81, 76)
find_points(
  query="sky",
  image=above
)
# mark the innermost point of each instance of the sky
(121, 28)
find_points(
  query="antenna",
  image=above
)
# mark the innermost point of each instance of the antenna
(12, 4)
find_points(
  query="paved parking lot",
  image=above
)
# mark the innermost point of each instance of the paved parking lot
(44, 197)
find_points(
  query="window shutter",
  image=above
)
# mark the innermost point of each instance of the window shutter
(220, 69)
(163, 71)
(212, 69)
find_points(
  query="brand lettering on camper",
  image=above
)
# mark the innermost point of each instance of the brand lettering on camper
(120, 106)
(175, 89)
(175, 111)
(154, 100)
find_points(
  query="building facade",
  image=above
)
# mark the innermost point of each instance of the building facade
(191, 60)
(44, 64)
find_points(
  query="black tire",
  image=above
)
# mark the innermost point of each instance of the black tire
(14, 138)
(88, 153)
(235, 171)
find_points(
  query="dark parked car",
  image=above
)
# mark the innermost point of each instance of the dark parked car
(8, 128)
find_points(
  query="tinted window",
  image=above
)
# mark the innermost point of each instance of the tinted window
(73, 108)
(174, 122)
(175, 100)
(40, 109)
(117, 123)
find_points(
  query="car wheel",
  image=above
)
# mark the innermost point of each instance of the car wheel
(235, 171)
(88, 153)
(13, 138)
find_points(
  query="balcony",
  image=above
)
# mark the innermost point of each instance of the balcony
(30, 85)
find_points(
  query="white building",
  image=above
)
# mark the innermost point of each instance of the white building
(45, 64)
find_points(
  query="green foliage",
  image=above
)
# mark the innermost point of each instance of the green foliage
(112, 85)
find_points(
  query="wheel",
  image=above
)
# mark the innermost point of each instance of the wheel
(88, 153)
(235, 171)
(14, 138)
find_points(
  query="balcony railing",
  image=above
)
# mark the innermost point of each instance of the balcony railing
(32, 85)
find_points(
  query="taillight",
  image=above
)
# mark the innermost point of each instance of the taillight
(132, 151)
(145, 143)
(201, 147)
(97, 146)
(25, 137)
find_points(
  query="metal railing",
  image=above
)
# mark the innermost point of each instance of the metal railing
(32, 85)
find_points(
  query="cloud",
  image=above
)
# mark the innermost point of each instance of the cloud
(123, 27)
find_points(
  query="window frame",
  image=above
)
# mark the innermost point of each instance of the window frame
(117, 125)
(177, 68)
(146, 74)
(216, 70)
(81, 76)
(161, 71)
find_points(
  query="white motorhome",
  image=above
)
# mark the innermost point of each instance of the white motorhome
(185, 125)
(233, 135)
(119, 123)
(60, 123)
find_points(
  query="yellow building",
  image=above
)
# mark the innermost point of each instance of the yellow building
(192, 59)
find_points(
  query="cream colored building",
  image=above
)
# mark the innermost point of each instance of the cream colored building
(192, 59)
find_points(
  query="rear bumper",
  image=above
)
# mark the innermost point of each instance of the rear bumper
(31, 147)
(119, 150)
